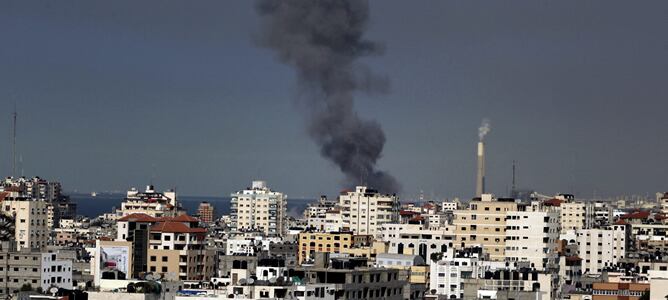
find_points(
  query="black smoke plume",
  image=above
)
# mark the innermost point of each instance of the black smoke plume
(322, 40)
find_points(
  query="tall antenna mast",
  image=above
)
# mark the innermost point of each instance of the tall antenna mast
(514, 186)
(14, 142)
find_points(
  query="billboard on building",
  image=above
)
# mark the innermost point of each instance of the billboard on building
(115, 258)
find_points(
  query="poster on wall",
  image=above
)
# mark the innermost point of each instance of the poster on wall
(115, 258)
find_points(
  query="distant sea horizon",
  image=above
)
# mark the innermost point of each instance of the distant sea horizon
(93, 206)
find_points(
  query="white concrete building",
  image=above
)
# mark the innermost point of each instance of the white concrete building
(601, 247)
(365, 210)
(271, 269)
(531, 237)
(31, 222)
(446, 275)
(449, 206)
(241, 247)
(258, 207)
(55, 272)
(149, 202)
(414, 239)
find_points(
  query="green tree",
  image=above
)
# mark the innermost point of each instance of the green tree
(26, 287)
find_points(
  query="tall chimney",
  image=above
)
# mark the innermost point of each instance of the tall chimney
(480, 179)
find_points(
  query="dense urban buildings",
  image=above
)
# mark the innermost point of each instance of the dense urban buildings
(361, 245)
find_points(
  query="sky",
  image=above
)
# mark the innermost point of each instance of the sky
(117, 94)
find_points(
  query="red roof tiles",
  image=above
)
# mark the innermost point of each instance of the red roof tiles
(138, 217)
(553, 202)
(184, 218)
(176, 227)
(636, 215)
(621, 222)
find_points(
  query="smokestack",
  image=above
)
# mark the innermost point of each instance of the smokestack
(323, 41)
(480, 179)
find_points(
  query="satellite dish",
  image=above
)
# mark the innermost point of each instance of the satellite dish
(53, 290)
(150, 277)
(250, 281)
(272, 280)
(242, 281)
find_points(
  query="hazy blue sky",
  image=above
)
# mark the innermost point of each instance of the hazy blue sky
(107, 92)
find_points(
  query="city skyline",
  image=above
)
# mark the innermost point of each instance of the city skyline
(110, 97)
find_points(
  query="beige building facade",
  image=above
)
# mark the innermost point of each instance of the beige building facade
(331, 242)
(483, 224)
(31, 222)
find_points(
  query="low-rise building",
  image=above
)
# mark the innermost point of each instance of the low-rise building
(619, 291)
(418, 240)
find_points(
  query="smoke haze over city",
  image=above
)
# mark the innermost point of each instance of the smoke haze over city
(115, 94)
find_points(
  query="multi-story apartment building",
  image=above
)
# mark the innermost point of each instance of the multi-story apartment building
(414, 239)
(38, 189)
(483, 224)
(311, 243)
(570, 270)
(573, 216)
(176, 248)
(205, 212)
(447, 275)
(364, 210)
(599, 248)
(532, 237)
(34, 188)
(602, 213)
(323, 216)
(33, 268)
(354, 280)
(31, 221)
(149, 202)
(258, 207)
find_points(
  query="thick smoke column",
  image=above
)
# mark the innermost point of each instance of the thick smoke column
(322, 40)
(484, 129)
